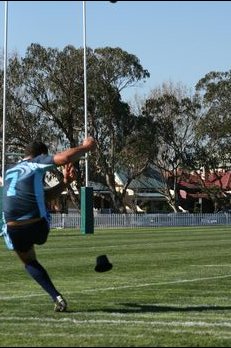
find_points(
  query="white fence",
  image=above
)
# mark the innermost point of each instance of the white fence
(73, 220)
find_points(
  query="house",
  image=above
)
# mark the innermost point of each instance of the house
(205, 192)
(142, 195)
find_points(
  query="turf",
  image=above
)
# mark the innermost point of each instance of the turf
(169, 287)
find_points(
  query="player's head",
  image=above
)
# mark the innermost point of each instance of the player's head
(36, 148)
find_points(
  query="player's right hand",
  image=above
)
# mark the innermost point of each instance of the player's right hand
(90, 143)
(69, 173)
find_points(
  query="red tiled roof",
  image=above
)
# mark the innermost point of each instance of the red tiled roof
(222, 181)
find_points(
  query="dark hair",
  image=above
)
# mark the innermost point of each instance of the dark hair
(35, 149)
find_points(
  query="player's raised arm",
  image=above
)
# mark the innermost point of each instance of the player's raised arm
(74, 153)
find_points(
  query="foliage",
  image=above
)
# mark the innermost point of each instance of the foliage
(174, 118)
(172, 129)
(46, 91)
(215, 126)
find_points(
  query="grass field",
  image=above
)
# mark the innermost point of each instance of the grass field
(169, 287)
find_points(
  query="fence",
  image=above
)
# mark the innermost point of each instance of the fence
(72, 220)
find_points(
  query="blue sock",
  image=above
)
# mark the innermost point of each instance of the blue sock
(40, 275)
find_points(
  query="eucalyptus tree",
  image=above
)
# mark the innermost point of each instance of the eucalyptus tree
(214, 131)
(175, 116)
(22, 125)
(136, 155)
(111, 121)
(47, 97)
(215, 126)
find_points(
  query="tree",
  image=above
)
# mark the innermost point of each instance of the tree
(136, 154)
(214, 128)
(111, 121)
(174, 115)
(46, 91)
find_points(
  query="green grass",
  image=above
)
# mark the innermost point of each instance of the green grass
(169, 287)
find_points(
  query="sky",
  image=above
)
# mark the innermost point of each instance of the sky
(177, 41)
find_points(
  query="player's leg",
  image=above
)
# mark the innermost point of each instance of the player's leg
(40, 275)
(23, 239)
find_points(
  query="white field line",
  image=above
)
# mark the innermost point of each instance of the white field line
(88, 335)
(158, 283)
(224, 265)
(166, 324)
(125, 246)
(179, 281)
(128, 316)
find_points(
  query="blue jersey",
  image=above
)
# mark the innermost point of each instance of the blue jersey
(23, 192)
